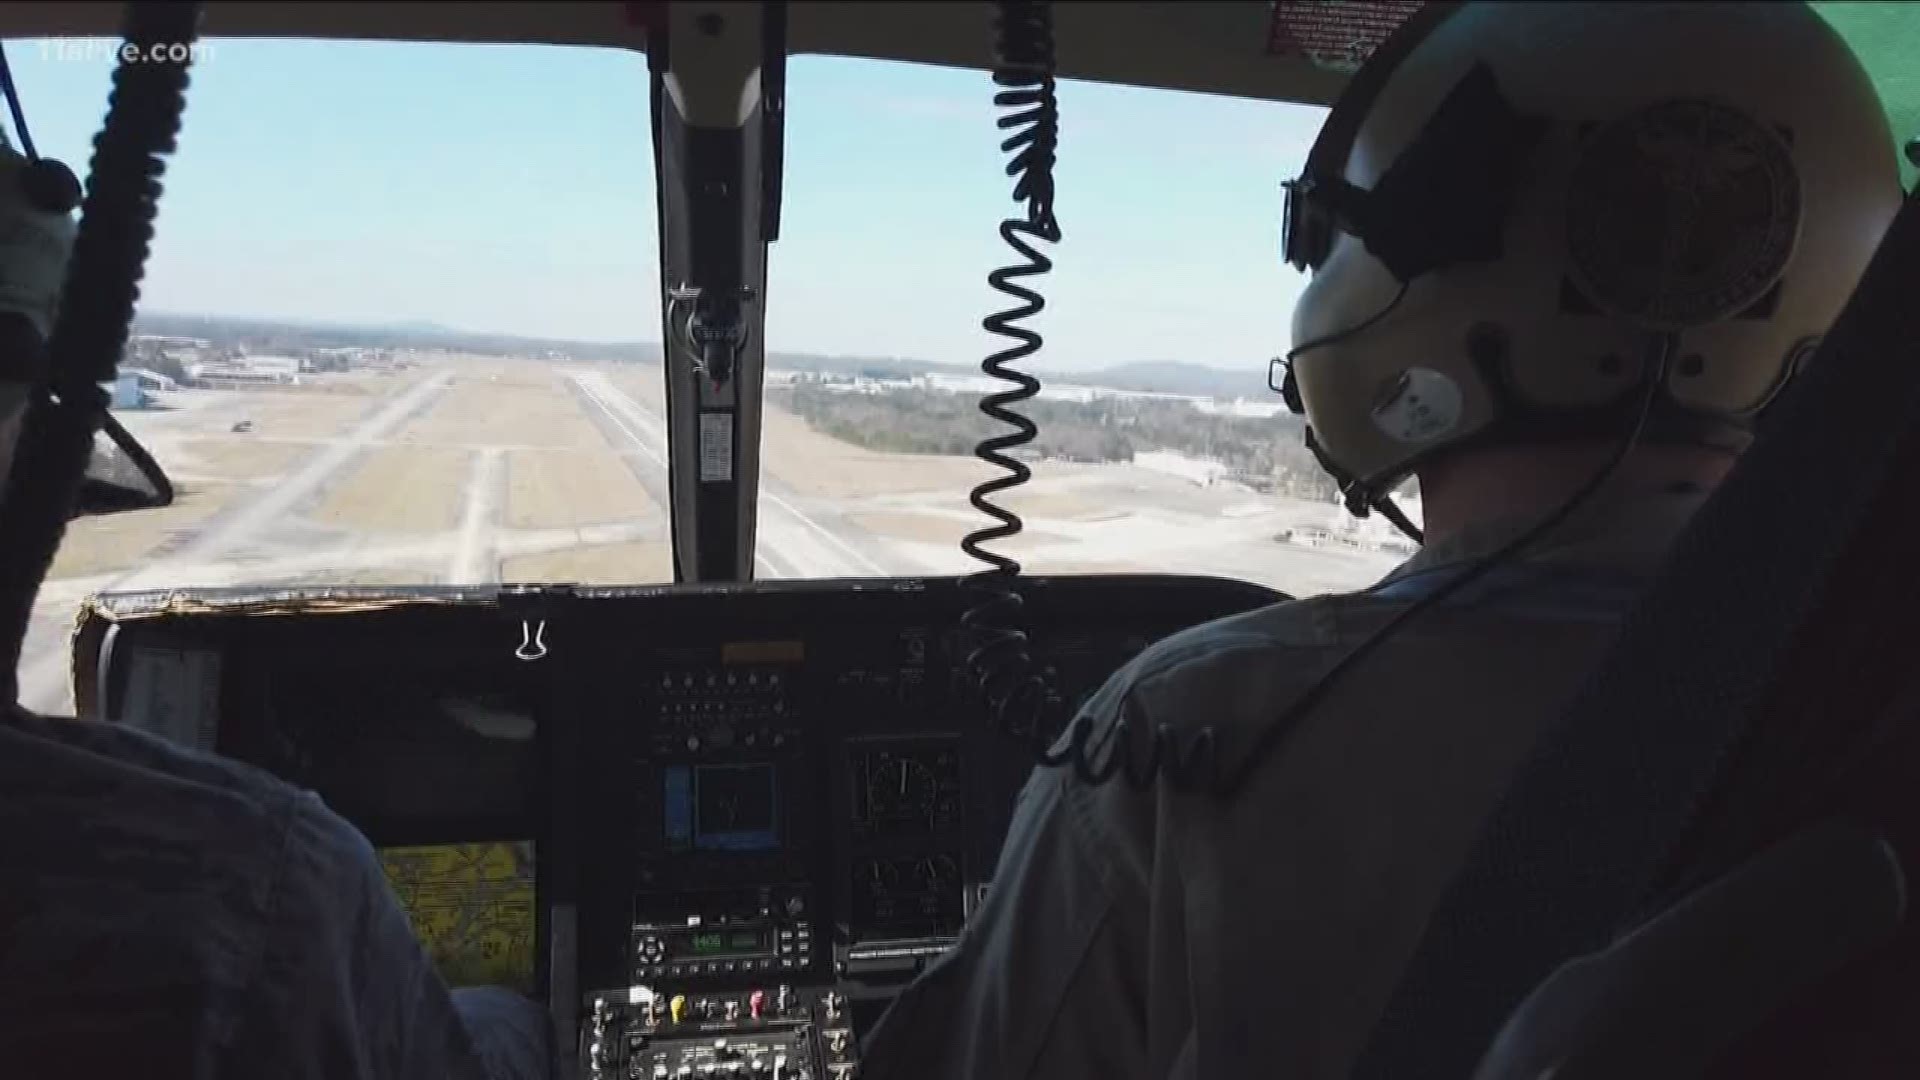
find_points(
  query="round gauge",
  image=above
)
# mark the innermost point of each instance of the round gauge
(900, 787)
(882, 874)
(938, 870)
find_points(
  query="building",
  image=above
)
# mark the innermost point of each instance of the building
(150, 381)
(1200, 471)
(287, 366)
(1374, 532)
(127, 392)
(228, 376)
(1242, 408)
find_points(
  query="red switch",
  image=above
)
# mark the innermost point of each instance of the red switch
(756, 1002)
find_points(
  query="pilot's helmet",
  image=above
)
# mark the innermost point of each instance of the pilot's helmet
(1565, 191)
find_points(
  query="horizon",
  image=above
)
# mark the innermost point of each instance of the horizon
(454, 331)
(510, 189)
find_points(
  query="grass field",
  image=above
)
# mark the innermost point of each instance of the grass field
(550, 488)
(297, 414)
(118, 542)
(639, 563)
(501, 403)
(235, 457)
(400, 488)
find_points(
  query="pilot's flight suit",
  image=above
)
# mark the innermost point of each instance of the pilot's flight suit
(1162, 934)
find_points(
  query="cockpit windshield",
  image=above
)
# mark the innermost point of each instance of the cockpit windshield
(1160, 445)
(402, 322)
(401, 327)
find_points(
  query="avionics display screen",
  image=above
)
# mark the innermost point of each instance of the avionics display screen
(472, 908)
(714, 942)
(722, 808)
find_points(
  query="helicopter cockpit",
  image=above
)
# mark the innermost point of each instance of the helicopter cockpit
(714, 819)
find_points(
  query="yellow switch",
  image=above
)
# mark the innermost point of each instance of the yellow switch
(678, 1007)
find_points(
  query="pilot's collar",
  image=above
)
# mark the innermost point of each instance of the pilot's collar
(1627, 532)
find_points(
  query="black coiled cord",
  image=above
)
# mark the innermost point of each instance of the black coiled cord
(102, 286)
(1018, 697)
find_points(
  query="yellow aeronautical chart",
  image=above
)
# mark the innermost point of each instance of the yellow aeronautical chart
(472, 908)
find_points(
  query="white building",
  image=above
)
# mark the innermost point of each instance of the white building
(1200, 471)
(150, 380)
(127, 392)
(1374, 532)
(1240, 407)
(276, 365)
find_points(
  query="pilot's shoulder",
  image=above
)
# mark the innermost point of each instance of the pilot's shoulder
(1224, 682)
(1187, 706)
(1267, 642)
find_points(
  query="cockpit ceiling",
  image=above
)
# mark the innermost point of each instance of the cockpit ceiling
(1232, 47)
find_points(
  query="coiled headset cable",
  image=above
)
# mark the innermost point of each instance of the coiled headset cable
(1018, 696)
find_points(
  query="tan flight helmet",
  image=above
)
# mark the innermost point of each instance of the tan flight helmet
(1518, 209)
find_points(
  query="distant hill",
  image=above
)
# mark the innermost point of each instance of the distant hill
(872, 367)
(272, 335)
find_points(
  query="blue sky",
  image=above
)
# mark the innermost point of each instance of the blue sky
(510, 189)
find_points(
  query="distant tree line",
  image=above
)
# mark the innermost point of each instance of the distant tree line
(257, 336)
(1265, 453)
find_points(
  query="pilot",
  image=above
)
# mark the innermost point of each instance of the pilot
(167, 913)
(1569, 255)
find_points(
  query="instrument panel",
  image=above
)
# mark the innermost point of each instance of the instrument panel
(783, 790)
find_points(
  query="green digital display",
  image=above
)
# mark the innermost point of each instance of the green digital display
(715, 941)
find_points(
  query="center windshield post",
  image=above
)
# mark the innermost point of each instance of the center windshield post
(711, 89)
